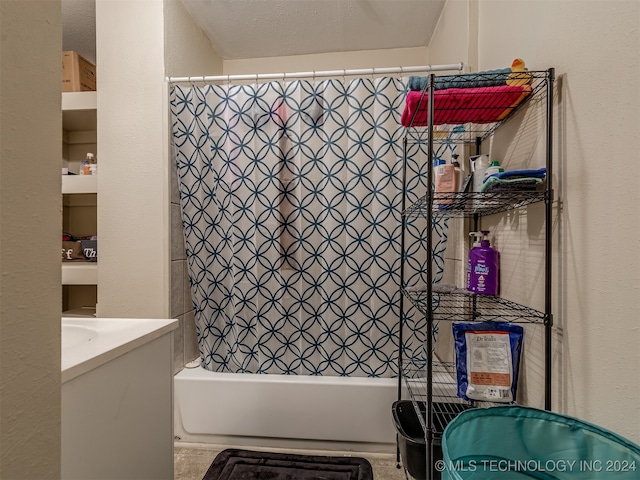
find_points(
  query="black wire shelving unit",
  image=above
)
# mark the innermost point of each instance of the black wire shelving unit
(432, 386)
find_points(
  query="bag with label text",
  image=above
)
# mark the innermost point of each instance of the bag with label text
(487, 360)
(72, 252)
(90, 250)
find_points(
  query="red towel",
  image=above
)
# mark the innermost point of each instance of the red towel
(455, 106)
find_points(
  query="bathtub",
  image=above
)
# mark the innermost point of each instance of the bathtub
(271, 410)
(117, 402)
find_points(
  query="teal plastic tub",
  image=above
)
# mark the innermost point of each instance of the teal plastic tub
(516, 443)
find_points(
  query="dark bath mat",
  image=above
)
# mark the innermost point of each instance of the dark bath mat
(232, 464)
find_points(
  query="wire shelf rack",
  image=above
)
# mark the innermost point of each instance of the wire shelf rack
(446, 405)
(470, 204)
(466, 306)
(464, 116)
(467, 109)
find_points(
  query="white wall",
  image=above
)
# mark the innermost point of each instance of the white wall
(459, 22)
(594, 47)
(187, 49)
(329, 61)
(133, 209)
(135, 49)
(30, 227)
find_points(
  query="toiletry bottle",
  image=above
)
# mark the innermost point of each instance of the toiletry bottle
(446, 183)
(471, 260)
(480, 164)
(84, 166)
(459, 173)
(93, 164)
(436, 163)
(494, 168)
(485, 268)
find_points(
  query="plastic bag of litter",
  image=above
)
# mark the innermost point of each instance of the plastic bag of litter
(487, 360)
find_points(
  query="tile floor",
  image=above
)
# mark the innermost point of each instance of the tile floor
(192, 462)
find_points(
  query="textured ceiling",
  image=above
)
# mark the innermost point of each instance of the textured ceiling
(271, 28)
(79, 27)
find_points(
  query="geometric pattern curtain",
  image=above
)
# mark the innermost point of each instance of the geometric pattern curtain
(291, 197)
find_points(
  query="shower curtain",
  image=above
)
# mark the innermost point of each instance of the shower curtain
(291, 197)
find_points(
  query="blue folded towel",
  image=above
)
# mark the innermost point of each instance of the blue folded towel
(513, 180)
(540, 173)
(487, 78)
(494, 184)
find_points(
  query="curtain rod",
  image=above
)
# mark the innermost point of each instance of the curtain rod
(314, 74)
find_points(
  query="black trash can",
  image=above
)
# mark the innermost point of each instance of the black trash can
(411, 439)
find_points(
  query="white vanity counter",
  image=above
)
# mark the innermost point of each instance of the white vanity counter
(88, 343)
(117, 398)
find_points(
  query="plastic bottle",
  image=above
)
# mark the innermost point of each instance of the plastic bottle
(436, 163)
(446, 183)
(485, 268)
(93, 164)
(84, 166)
(88, 166)
(458, 170)
(494, 168)
(471, 259)
(480, 163)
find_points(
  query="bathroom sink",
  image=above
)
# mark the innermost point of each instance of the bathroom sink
(74, 335)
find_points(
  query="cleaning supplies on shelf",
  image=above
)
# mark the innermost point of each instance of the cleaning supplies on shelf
(484, 267)
(487, 360)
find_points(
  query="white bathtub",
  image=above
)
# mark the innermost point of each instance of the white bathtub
(285, 410)
(117, 405)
